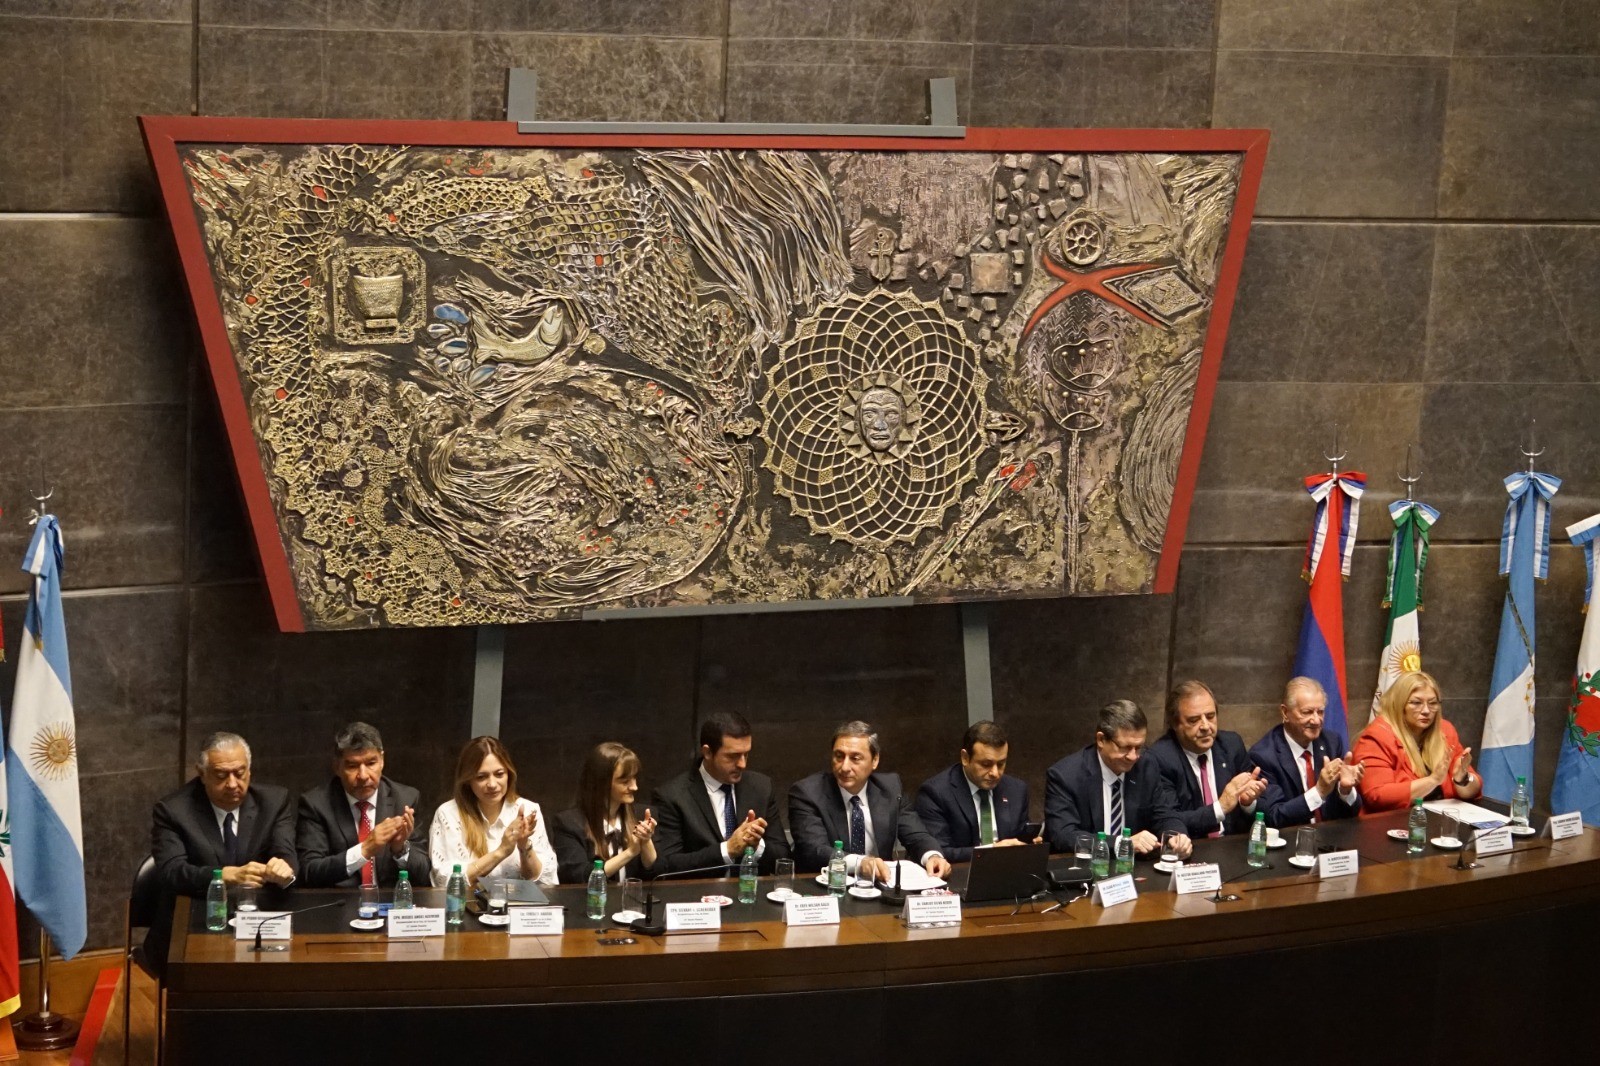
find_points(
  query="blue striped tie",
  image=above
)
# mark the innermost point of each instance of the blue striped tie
(1114, 823)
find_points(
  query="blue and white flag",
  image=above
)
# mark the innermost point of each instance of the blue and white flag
(1577, 783)
(1507, 750)
(42, 758)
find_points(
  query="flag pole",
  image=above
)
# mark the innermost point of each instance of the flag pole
(45, 1030)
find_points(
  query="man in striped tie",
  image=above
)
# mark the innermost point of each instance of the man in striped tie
(1106, 787)
(361, 828)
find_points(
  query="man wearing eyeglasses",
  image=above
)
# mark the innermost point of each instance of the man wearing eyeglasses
(1311, 775)
(1106, 788)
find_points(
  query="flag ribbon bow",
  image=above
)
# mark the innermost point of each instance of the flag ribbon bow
(1586, 535)
(1321, 486)
(1518, 485)
(1422, 517)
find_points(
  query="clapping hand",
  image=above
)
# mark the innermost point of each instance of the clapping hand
(1350, 773)
(643, 830)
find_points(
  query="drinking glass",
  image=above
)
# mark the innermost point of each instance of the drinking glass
(783, 870)
(1305, 846)
(633, 896)
(244, 897)
(497, 895)
(367, 908)
(1083, 846)
(1169, 846)
(1449, 830)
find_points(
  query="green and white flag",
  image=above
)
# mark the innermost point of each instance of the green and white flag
(1408, 554)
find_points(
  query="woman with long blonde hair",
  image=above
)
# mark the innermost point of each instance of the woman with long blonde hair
(486, 826)
(603, 825)
(1410, 752)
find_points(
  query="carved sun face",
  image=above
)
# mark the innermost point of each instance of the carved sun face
(878, 419)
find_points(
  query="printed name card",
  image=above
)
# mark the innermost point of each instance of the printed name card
(1494, 841)
(683, 917)
(1115, 890)
(1563, 826)
(537, 921)
(922, 912)
(1197, 877)
(811, 910)
(274, 925)
(417, 921)
(1338, 864)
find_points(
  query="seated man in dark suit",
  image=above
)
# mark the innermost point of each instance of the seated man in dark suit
(855, 804)
(1103, 788)
(1212, 777)
(708, 815)
(1309, 778)
(219, 820)
(974, 803)
(361, 828)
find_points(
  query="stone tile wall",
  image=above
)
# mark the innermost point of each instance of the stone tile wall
(1423, 268)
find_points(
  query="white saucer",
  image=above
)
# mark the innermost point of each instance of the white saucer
(494, 919)
(721, 901)
(1167, 867)
(367, 925)
(1521, 830)
(624, 917)
(1305, 862)
(822, 879)
(1445, 843)
(860, 892)
(1398, 834)
(778, 895)
(1281, 842)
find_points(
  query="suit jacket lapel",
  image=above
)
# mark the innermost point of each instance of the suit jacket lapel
(344, 817)
(701, 799)
(834, 817)
(1097, 799)
(248, 811)
(965, 801)
(880, 809)
(206, 817)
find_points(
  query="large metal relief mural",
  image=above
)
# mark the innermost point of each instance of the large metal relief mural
(516, 383)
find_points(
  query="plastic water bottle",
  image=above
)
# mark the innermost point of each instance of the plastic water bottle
(1521, 803)
(747, 876)
(1256, 856)
(216, 903)
(836, 870)
(1123, 860)
(455, 898)
(1100, 861)
(595, 901)
(402, 893)
(1417, 828)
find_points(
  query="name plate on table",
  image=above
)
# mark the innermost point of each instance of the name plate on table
(537, 921)
(1197, 877)
(1562, 826)
(923, 911)
(1338, 864)
(1115, 890)
(1494, 841)
(274, 925)
(683, 917)
(811, 910)
(417, 921)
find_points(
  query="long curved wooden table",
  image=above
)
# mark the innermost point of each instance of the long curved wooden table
(1481, 965)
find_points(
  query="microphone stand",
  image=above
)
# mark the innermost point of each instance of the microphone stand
(1461, 862)
(258, 946)
(648, 926)
(1232, 897)
(891, 893)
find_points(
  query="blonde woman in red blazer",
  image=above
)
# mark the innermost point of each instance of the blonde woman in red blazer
(1410, 752)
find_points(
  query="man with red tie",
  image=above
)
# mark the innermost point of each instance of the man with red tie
(361, 828)
(1309, 769)
(1214, 780)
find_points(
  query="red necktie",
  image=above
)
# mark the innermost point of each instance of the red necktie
(1311, 782)
(1207, 795)
(364, 830)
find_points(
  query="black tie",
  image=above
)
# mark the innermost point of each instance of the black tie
(729, 819)
(858, 828)
(230, 842)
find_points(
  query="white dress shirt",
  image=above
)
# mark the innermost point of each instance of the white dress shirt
(447, 843)
(714, 791)
(353, 859)
(1313, 794)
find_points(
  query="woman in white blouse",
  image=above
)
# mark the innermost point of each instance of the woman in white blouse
(487, 827)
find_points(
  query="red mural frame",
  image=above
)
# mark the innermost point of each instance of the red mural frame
(164, 133)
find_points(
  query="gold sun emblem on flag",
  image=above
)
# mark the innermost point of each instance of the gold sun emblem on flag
(54, 751)
(1404, 658)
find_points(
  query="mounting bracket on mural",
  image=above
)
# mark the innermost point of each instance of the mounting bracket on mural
(522, 98)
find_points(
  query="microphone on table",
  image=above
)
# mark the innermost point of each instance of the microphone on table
(1461, 862)
(891, 893)
(1231, 897)
(648, 926)
(258, 946)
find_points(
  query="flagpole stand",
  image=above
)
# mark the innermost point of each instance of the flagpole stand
(45, 1030)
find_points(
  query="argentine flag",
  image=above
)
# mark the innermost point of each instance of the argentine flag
(1507, 749)
(42, 758)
